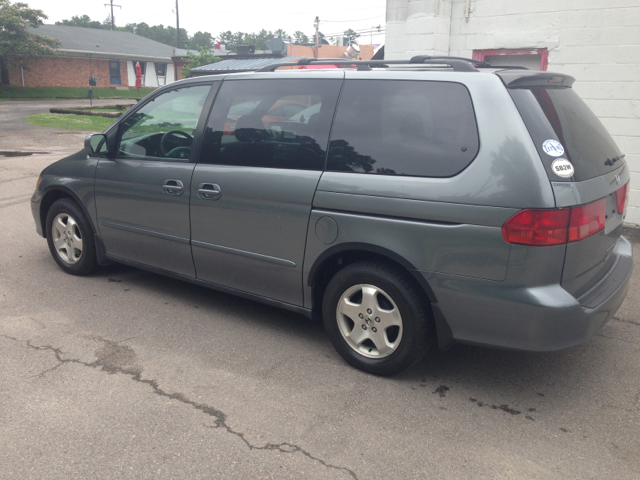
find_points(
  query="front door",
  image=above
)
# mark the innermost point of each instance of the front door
(263, 154)
(142, 194)
(114, 72)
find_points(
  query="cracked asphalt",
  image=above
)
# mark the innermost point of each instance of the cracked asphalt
(130, 374)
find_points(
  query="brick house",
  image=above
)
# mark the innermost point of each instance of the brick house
(108, 55)
(596, 42)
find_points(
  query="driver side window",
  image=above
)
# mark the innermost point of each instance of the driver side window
(164, 127)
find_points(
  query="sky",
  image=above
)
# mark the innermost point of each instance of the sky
(236, 15)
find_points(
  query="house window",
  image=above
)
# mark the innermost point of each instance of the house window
(114, 72)
(533, 59)
(161, 73)
(161, 69)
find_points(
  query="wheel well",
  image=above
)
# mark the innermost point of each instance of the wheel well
(336, 262)
(49, 199)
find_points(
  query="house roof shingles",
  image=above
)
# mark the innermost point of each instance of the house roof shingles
(240, 65)
(94, 40)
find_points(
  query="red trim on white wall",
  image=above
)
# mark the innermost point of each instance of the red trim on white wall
(543, 52)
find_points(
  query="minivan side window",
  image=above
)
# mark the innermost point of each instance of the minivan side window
(164, 127)
(397, 127)
(271, 123)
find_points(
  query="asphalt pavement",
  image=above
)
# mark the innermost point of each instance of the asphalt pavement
(128, 374)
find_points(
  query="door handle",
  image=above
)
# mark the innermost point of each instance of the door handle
(173, 187)
(209, 191)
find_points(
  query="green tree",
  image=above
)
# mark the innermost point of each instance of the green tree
(281, 34)
(83, 21)
(201, 39)
(106, 23)
(204, 56)
(159, 33)
(300, 37)
(351, 35)
(226, 38)
(17, 45)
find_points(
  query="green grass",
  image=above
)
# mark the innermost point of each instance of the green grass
(70, 122)
(70, 92)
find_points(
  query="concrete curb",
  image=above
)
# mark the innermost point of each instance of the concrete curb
(85, 112)
(632, 232)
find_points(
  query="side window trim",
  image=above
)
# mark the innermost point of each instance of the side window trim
(113, 132)
(327, 147)
(196, 147)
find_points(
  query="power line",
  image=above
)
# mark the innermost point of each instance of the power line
(352, 21)
(361, 32)
(152, 15)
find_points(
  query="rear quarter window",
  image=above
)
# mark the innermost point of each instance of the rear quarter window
(396, 127)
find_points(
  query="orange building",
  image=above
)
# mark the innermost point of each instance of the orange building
(327, 51)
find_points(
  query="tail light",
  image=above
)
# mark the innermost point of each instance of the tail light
(622, 197)
(537, 227)
(587, 220)
(555, 227)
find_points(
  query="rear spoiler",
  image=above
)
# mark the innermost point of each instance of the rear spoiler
(527, 79)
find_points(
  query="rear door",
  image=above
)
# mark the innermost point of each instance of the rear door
(254, 184)
(142, 192)
(585, 167)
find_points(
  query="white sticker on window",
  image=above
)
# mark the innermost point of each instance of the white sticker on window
(553, 148)
(562, 167)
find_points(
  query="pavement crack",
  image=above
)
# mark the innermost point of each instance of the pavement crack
(627, 321)
(16, 202)
(283, 447)
(616, 407)
(617, 338)
(219, 417)
(41, 374)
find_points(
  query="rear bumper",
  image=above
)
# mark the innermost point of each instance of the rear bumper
(537, 319)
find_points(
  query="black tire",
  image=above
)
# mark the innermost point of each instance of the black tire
(84, 261)
(416, 334)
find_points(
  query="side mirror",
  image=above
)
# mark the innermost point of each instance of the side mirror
(96, 144)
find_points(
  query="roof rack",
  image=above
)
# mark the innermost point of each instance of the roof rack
(456, 63)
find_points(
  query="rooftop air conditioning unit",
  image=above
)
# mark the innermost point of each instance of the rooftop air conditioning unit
(246, 49)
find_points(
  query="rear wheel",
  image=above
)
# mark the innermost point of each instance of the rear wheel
(376, 318)
(70, 238)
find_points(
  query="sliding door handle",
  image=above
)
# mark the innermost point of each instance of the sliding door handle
(209, 191)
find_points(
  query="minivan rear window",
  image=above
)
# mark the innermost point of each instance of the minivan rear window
(397, 127)
(560, 114)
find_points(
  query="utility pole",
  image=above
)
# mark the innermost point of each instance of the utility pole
(316, 22)
(177, 24)
(113, 21)
(378, 27)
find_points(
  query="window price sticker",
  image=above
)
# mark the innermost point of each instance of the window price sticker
(562, 167)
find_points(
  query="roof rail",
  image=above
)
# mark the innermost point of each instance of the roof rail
(456, 63)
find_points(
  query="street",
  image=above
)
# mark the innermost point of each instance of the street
(130, 374)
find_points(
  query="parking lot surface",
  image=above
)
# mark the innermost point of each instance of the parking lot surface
(130, 374)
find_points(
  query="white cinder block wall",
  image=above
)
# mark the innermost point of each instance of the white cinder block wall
(596, 42)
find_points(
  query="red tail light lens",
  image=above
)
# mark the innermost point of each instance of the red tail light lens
(587, 220)
(537, 227)
(555, 227)
(622, 195)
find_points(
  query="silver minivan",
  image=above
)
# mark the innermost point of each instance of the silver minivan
(430, 201)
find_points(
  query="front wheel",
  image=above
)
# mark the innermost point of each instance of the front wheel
(70, 238)
(376, 318)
